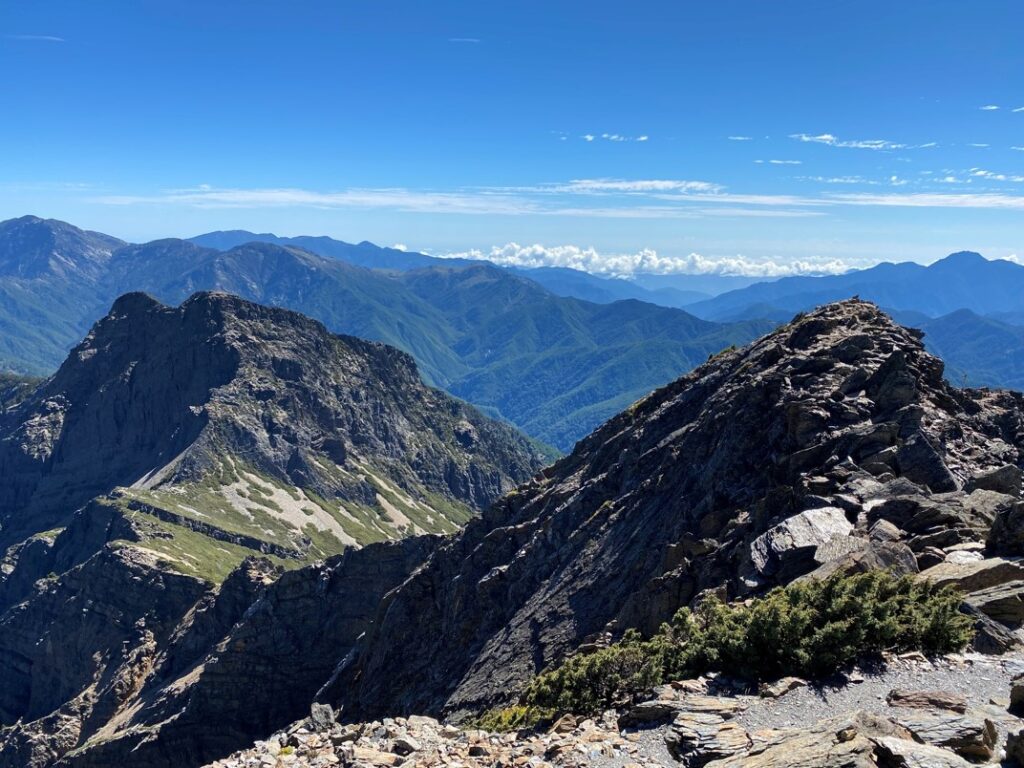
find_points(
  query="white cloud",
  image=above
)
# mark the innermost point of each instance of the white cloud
(740, 138)
(397, 198)
(979, 146)
(36, 38)
(1018, 109)
(616, 138)
(989, 108)
(644, 261)
(471, 40)
(633, 185)
(786, 162)
(925, 200)
(876, 144)
(838, 179)
(400, 247)
(1019, 149)
(993, 176)
(583, 198)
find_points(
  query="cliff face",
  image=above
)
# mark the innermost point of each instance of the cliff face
(253, 420)
(832, 442)
(138, 483)
(120, 662)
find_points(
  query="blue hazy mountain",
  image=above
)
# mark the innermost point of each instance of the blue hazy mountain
(554, 366)
(964, 280)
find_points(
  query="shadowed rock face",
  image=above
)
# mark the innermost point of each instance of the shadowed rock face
(157, 395)
(249, 658)
(833, 442)
(116, 607)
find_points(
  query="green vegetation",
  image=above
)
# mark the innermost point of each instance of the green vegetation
(192, 553)
(556, 367)
(236, 498)
(810, 628)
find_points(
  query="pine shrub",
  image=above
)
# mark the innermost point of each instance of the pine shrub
(811, 628)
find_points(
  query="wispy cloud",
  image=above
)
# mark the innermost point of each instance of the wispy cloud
(1019, 149)
(606, 198)
(397, 199)
(471, 40)
(630, 185)
(779, 162)
(978, 145)
(989, 108)
(981, 173)
(36, 38)
(924, 200)
(1018, 109)
(618, 137)
(875, 144)
(741, 138)
(649, 261)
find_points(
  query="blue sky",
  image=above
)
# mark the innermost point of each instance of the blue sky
(670, 136)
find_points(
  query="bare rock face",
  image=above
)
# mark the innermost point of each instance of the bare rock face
(248, 659)
(222, 392)
(828, 441)
(832, 443)
(137, 484)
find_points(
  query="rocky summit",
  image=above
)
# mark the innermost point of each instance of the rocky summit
(831, 446)
(251, 425)
(833, 443)
(174, 445)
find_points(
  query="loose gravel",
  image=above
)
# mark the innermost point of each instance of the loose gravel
(983, 680)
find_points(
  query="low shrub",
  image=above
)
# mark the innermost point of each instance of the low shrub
(811, 629)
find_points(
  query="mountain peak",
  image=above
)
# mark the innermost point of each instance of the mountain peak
(222, 387)
(700, 484)
(32, 247)
(134, 303)
(962, 259)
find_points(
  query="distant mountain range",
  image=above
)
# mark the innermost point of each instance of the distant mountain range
(555, 351)
(971, 309)
(666, 290)
(963, 280)
(554, 366)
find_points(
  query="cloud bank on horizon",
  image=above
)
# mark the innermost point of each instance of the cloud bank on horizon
(646, 261)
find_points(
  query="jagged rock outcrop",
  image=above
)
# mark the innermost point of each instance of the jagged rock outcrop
(248, 659)
(831, 444)
(135, 484)
(157, 395)
(833, 435)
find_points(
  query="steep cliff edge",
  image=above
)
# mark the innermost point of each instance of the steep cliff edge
(252, 426)
(832, 442)
(138, 483)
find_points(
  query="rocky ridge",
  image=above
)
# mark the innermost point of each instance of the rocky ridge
(139, 482)
(224, 415)
(831, 443)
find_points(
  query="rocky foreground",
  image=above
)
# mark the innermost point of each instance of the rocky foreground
(912, 712)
